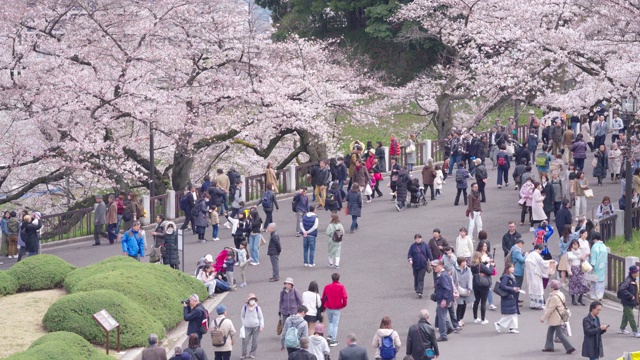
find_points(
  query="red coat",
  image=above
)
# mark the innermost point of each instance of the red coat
(394, 148)
(369, 163)
(334, 296)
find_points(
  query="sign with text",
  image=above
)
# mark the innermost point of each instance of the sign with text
(105, 320)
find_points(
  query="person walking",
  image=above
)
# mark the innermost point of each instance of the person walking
(421, 339)
(537, 206)
(502, 158)
(602, 163)
(322, 179)
(463, 282)
(273, 251)
(554, 307)
(444, 301)
(598, 259)
(112, 219)
(99, 220)
(615, 162)
(354, 206)
(518, 258)
(481, 176)
(579, 152)
(628, 294)
(268, 202)
(464, 244)
(402, 185)
(311, 300)
(419, 257)
(461, 183)
(318, 345)
(334, 233)
(271, 177)
(253, 323)
(386, 341)
(309, 227)
(290, 300)
(300, 205)
(296, 321)
(428, 177)
(577, 282)
(509, 301)
(481, 286)
(474, 209)
(334, 299)
(155, 352)
(200, 213)
(592, 347)
(302, 353)
(193, 349)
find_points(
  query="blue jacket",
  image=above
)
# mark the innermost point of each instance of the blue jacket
(133, 243)
(194, 317)
(419, 255)
(342, 172)
(3, 225)
(563, 217)
(444, 287)
(303, 204)
(308, 222)
(517, 257)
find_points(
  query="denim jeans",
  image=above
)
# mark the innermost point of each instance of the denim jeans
(333, 318)
(254, 246)
(354, 222)
(442, 317)
(111, 232)
(453, 161)
(215, 228)
(309, 249)
(503, 173)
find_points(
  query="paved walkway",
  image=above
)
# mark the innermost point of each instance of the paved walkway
(379, 280)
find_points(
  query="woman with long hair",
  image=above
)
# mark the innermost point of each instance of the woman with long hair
(354, 202)
(537, 206)
(334, 246)
(385, 330)
(483, 248)
(509, 303)
(311, 299)
(580, 186)
(576, 274)
(565, 241)
(194, 348)
(526, 199)
(255, 233)
(463, 282)
(481, 286)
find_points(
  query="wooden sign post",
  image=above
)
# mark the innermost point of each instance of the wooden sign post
(106, 321)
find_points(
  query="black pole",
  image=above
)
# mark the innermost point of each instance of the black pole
(152, 183)
(628, 210)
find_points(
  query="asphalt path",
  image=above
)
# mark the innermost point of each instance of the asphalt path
(379, 280)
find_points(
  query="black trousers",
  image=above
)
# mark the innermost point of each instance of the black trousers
(481, 294)
(481, 186)
(268, 219)
(418, 279)
(464, 191)
(188, 219)
(429, 186)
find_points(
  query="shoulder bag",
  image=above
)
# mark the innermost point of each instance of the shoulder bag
(429, 353)
(564, 314)
(429, 268)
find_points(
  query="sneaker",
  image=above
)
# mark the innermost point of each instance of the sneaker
(477, 321)
(202, 241)
(636, 335)
(337, 267)
(306, 265)
(243, 284)
(514, 331)
(506, 185)
(273, 279)
(442, 338)
(227, 225)
(333, 343)
(216, 239)
(492, 307)
(330, 265)
(499, 186)
(516, 187)
(484, 322)
(253, 263)
(495, 324)
(397, 207)
(623, 332)
(312, 265)
(531, 229)
(419, 295)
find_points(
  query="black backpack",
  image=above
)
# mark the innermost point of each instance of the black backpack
(127, 215)
(195, 211)
(623, 286)
(330, 200)
(347, 160)
(266, 200)
(295, 202)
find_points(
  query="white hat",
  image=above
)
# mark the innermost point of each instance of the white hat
(208, 258)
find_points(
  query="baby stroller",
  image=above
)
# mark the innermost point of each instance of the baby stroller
(218, 264)
(417, 193)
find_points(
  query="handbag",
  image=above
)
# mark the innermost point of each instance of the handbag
(346, 210)
(586, 267)
(367, 190)
(429, 353)
(481, 281)
(262, 241)
(594, 162)
(566, 313)
(429, 268)
(242, 332)
(279, 327)
(466, 213)
(411, 148)
(498, 290)
(588, 193)
(463, 292)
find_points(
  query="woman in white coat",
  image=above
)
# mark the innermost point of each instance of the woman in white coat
(537, 206)
(536, 269)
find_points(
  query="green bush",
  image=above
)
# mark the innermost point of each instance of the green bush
(156, 288)
(8, 285)
(41, 272)
(74, 313)
(61, 345)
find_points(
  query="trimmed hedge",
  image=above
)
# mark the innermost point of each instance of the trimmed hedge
(8, 285)
(157, 289)
(41, 272)
(60, 345)
(74, 313)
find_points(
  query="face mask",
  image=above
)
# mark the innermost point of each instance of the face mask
(252, 302)
(170, 231)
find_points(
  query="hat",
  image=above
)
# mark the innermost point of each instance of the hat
(436, 263)
(372, 151)
(208, 258)
(633, 269)
(531, 112)
(220, 309)
(37, 215)
(289, 280)
(99, 196)
(319, 328)
(477, 161)
(252, 296)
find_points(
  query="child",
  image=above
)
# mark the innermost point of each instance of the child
(213, 213)
(372, 180)
(228, 266)
(240, 228)
(243, 261)
(439, 180)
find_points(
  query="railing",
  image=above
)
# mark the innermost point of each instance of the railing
(608, 227)
(177, 210)
(303, 176)
(67, 225)
(616, 271)
(437, 150)
(158, 206)
(255, 185)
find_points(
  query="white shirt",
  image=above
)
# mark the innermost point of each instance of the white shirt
(584, 248)
(312, 301)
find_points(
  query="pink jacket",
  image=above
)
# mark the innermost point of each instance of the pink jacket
(526, 194)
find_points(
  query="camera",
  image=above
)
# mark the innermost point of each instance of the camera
(184, 302)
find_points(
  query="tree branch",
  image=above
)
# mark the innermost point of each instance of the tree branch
(56, 175)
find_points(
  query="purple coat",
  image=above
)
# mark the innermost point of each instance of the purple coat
(289, 302)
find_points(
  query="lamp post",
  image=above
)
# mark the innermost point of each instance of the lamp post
(629, 107)
(152, 182)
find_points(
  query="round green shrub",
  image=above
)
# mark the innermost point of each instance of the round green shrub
(40, 272)
(106, 265)
(74, 313)
(8, 285)
(156, 288)
(61, 345)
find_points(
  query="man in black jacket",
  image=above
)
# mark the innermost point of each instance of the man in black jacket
(509, 239)
(563, 217)
(273, 251)
(194, 313)
(444, 300)
(628, 294)
(268, 202)
(422, 336)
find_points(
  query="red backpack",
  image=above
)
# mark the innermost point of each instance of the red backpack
(539, 237)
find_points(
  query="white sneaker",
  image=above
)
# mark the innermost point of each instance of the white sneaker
(484, 322)
(306, 265)
(636, 335)
(623, 332)
(514, 331)
(496, 326)
(253, 263)
(492, 307)
(312, 265)
(477, 321)
(227, 225)
(531, 229)
(216, 239)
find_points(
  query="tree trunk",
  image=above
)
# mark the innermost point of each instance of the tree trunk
(444, 118)
(182, 165)
(316, 151)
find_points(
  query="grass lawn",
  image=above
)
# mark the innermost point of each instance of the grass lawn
(622, 248)
(21, 319)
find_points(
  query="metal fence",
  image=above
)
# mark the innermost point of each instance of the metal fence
(158, 206)
(608, 227)
(67, 225)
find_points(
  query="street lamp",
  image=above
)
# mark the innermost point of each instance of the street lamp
(629, 108)
(152, 175)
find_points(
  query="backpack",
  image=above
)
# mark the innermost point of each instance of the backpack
(291, 337)
(539, 237)
(266, 201)
(183, 202)
(532, 140)
(204, 324)
(127, 215)
(218, 338)
(337, 235)
(501, 160)
(459, 176)
(623, 286)
(387, 349)
(347, 160)
(140, 212)
(195, 211)
(542, 160)
(295, 202)
(330, 200)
